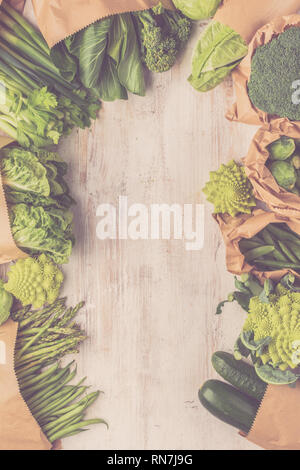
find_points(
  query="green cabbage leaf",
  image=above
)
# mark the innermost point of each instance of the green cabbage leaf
(219, 50)
(197, 9)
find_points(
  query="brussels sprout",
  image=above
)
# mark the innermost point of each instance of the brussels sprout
(6, 301)
(285, 174)
(282, 148)
(197, 9)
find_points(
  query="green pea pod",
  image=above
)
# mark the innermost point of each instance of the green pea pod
(256, 253)
(288, 252)
(283, 235)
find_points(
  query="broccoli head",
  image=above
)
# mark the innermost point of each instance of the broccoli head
(161, 34)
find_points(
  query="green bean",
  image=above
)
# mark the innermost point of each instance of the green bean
(61, 404)
(51, 389)
(40, 377)
(67, 423)
(258, 252)
(75, 427)
(54, 379)
(44, 336)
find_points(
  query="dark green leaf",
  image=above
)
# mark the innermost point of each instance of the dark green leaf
(89, 46)
(124, 49)
(275, 376)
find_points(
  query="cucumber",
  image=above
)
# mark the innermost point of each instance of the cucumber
(228, 404)
(239, 374)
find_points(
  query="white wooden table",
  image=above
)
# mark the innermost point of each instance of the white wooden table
(150, 311)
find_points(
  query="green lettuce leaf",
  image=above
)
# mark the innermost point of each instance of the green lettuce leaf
(35, 178)
(219, 50)
(37, 230)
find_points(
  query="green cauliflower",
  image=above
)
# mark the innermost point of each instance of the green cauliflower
(6, 301)
(278, 320)
(230, 190)
(34, 281)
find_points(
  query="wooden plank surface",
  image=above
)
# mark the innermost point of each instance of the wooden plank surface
(150, 304)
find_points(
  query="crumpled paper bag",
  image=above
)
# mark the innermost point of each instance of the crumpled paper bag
(246, 226)
(264, 184)
(59, 19)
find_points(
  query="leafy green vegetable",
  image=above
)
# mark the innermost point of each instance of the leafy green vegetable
(109, 87)
(274, 68)
(42, 230)
(110, 53)
(282, 148)
(284, 173)
(35, 178)
(124, 50)
(219, 50)
(198, 9)
(6, 301)
(34, 282)
(89, 47)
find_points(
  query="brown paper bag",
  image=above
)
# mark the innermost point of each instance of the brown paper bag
(246, 226)
(59, 19)
(276, 426)
(265, 186)
(243, 110)
(18, 428)
(247, 16)
(17, 4)
(8, 249)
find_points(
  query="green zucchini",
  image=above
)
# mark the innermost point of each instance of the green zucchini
(239, 374)
(229, 404)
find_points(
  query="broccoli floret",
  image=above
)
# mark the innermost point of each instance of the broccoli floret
(180, 26)
(161, 35)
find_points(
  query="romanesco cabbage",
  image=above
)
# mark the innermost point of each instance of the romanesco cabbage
(230, 190)
(280, 320)
(34, 281)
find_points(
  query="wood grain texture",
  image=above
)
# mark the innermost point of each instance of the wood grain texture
(150, 304)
